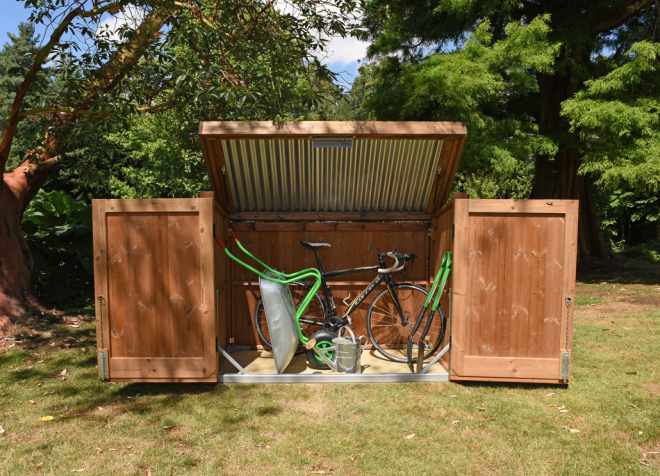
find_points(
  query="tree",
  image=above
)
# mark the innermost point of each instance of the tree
(617, 118)
(100, 67)
(473, 84)
(411, 33)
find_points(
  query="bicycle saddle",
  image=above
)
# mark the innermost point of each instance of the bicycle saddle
(314, 246)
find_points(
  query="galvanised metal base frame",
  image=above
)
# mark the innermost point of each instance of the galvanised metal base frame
(244, 377)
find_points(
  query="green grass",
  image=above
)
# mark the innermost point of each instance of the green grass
(606, 422)
(582, 300)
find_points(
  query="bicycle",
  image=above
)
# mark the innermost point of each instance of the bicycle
(391, 316)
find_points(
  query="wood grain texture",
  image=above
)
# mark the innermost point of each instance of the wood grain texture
(449, 158)
(514, 267)
(154, 265)
(330, 216)
(441, 241)
(222, 277)
(100, 276)
(332, 128)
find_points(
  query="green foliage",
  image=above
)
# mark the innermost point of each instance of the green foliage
(649, 252)
(475, 85)
(157, 159)
(214, 60)
(617, 118)
(141, 140)
(59, 234)
(505, 68)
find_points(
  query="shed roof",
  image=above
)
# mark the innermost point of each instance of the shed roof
(332, 166)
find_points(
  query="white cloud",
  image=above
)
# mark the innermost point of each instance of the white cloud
(110, 26)
(338, 50)
(346, 50)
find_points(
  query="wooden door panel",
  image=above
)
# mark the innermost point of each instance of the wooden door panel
(514, 268)
(155, 282)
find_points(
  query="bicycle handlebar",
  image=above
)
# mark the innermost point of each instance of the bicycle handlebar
(394, 268)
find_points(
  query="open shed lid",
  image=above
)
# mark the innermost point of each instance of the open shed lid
(260, 168)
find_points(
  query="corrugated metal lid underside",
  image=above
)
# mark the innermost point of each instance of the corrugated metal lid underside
(329, 173)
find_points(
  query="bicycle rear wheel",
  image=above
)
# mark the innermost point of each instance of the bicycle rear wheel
(311, 321)
(384, 328)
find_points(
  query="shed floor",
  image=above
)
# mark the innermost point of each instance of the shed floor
(260, 368)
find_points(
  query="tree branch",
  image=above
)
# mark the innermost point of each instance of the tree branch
(39, 59)
(621, 16)
(124, 58)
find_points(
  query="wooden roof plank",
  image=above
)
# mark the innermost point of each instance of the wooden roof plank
(332, 128)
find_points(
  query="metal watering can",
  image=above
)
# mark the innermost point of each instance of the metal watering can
(347, 354)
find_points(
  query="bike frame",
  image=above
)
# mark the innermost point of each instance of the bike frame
(327, 297)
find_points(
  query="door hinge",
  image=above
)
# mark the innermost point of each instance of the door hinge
(104, 371)
(231, 340)
(565, 366)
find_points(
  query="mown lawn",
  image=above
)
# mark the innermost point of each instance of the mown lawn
(57, 418)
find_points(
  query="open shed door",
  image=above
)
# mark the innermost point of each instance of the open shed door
(513, 289)
(154, 286)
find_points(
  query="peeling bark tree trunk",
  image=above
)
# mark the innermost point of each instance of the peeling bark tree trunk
(15, 263)
(16, 190)
(19, 186)
(559, 178)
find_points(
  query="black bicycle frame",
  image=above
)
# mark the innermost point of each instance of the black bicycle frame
(330, 316)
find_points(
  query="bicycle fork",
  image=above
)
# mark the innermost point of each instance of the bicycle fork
(431, 304)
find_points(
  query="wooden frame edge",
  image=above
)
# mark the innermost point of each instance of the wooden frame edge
(440, 129)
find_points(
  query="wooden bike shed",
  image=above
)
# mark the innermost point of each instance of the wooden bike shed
(167, 298)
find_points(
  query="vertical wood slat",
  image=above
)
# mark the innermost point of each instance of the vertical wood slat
(154, 268)
(570, 258)
(460, 285)
(100, 277)
(514, 266)
(222, 277)
(441, 240)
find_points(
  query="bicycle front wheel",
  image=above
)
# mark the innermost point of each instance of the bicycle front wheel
(389, 336)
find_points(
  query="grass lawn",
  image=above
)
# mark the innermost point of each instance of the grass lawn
(57, 418)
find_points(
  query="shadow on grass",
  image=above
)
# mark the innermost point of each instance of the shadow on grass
(515, 385)
(140, 389)
(49, 371)
(61, 336)
(621, 271)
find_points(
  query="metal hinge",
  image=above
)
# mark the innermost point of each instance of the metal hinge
(231, 340)
(104, 372)
(565, 366)
(453, 232)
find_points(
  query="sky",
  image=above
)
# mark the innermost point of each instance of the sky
(342, 56)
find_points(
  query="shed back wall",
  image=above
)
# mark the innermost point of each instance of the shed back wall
(353, 244)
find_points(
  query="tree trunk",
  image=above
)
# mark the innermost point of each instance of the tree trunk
(19, 186)
(558, 177)
(16, 190)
